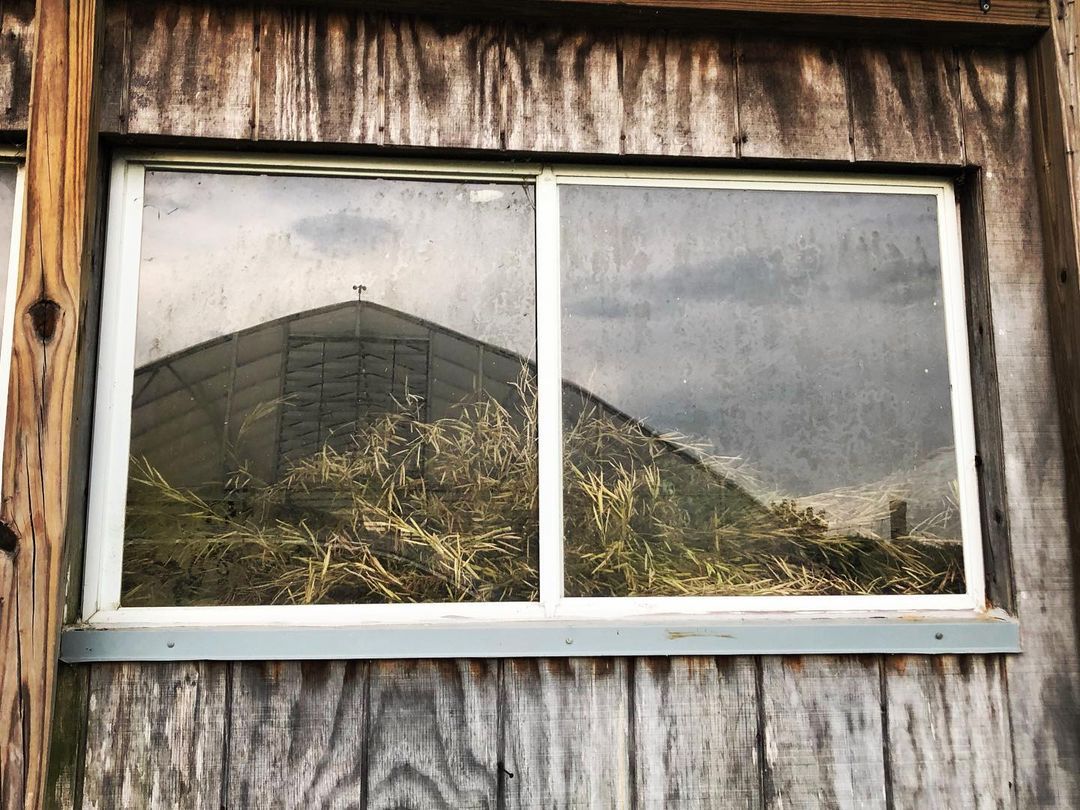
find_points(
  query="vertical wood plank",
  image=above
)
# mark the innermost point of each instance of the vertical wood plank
(16, 58)
(191, 69)
(566, 729)
(1054, 82)
(695, 733)
(320, 76)
(296, 735)
(14, 741)
(793, 100)
(905, 104)
(678, 94)
(68, 739)
(986, 395)
(155, 736)
(948, 732)
(50, 300)
(113, 83)
(434, 734)
(823, 733)
(561, 91)
(442, 83)
(1044, 682)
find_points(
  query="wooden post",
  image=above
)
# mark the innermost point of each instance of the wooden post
(60, 157)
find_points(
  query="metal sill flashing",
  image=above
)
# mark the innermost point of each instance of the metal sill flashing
(943, 633)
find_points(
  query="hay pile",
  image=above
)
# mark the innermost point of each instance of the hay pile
(446, 510)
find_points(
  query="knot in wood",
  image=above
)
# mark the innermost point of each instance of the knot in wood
(9, 540)
(45, 313)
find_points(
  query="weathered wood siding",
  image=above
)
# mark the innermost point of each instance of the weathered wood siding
(882, 731)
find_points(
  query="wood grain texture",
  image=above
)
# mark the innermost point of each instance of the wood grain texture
(442, 83)
(905, 104)
(986, 394)
(561, 91)
(1044, 682)
(678, 94)
(588, 733)
(1005, 12)
(191, 69)
(113, 83)
(155, 736)
(53, 269)
(68, 743)
(948, 732)
(16, 58)
(822, 731)
(296, 735)
(793, 100)
(1054, 80)
(434, 734)
(695, 733)
(320, 76)
(1008, 23)
(566, 733)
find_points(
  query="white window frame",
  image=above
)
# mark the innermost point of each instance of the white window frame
(554, 612)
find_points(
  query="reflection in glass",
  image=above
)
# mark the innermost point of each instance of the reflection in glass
(333, 398)
(8, 174)
(756, 395)
(8, 278)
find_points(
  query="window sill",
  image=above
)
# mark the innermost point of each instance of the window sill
(803, 634)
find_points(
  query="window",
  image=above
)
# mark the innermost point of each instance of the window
(11, 195)
(367, 393)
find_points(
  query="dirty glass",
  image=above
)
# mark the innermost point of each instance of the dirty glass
(8, 174)
(756, 394)
(333, 396)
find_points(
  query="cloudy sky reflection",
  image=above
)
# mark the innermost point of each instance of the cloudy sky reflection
(226, 252)
(803, 332)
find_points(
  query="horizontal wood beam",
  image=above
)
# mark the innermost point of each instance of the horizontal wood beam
(1035, 13)
(985, 22)
(41, 406)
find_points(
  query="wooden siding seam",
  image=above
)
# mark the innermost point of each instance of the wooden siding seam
(501, 772)
(886, 752)
(628, 772)
(955, 66)
(500, 99)
(764, 773)
(850, 97)
(1003, 675)
(257, 16)
(737, 137)
(226, 731)
(125, 87)
(365, 751)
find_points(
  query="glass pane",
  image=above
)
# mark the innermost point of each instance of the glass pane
(334, 397)
(756, 394)
(8, 173)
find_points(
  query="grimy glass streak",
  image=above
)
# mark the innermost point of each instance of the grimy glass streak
(756, 395)
(333, 398)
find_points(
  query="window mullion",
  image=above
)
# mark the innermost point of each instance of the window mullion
(549, 390)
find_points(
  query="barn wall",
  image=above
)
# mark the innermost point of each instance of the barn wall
(874, 731)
